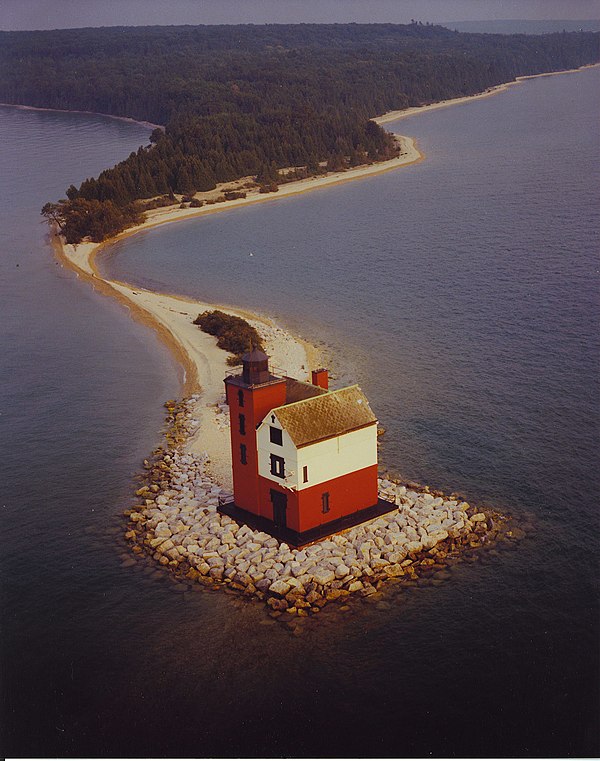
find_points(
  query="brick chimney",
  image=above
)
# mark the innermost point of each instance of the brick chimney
(320, 378)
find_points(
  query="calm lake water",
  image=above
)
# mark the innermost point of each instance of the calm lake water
(462, 294)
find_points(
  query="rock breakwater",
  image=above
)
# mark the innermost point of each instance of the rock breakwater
(177, 522)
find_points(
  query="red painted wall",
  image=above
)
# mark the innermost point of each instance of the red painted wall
(258, 401)
(347, 494)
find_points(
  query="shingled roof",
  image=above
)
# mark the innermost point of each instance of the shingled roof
(325, 416)
(297, 391)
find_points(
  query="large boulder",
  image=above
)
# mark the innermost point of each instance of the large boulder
(279, 587)
(394, 570)
(341, 571)
(323, 576)
(355, 586)
(162, 530)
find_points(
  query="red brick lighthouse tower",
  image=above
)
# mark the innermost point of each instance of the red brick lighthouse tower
(250, 397)
(304, 458)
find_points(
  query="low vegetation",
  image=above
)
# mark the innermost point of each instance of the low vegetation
(234, 333)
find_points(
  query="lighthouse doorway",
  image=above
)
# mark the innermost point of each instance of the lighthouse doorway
(279, 501)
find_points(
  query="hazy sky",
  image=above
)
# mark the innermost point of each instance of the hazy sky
(53, 14)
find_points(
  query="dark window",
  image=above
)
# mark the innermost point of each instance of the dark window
(243, 457)
(305, 474)
(276, 436)
(241, 398)
(277, 466)
(325, 502)
(242, 419)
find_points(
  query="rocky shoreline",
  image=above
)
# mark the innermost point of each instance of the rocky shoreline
(177, 523)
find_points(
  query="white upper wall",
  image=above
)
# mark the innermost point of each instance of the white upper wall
(325, 460)
(266, 448)
(337, 456)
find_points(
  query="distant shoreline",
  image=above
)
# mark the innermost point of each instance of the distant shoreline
(127, 119)
(392, 116)
(410, 155)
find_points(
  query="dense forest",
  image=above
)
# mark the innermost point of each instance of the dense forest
(248, 100)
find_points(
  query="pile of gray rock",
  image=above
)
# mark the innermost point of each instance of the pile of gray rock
(177, 521)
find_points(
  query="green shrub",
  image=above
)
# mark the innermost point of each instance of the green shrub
(270, 188)
(157, 203)
(234, 333)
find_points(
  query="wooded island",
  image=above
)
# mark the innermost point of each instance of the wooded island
(240, 101)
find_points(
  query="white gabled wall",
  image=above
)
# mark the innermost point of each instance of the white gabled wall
(338, 456)
(325, 460)
(287, 451)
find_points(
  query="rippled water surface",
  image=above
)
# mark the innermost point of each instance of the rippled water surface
(462, 294)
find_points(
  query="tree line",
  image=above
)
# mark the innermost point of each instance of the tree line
(248, 100)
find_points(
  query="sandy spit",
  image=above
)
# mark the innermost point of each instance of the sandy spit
(203, 365)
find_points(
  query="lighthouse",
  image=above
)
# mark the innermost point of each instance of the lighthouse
(304, 457)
